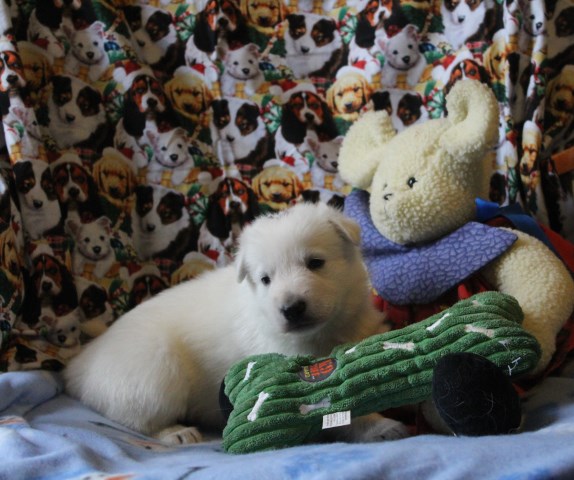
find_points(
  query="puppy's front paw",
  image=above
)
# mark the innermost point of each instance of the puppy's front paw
(386, 429)
(179, 435)
(379, 428)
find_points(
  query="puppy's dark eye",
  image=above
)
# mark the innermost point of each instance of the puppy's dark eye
(315, 263)
(265, 280)
(411, 181)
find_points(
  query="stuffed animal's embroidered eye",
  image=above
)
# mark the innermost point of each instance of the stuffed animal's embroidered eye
(315, 263)
(411, 181)
(265, 280)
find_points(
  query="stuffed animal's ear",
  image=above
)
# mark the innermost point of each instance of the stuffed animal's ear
(357, 163)
(473, 115)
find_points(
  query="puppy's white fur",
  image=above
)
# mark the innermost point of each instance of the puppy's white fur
(163, 362)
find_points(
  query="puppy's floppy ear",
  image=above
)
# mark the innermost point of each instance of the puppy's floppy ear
(208, 96)
(346, 228)
(240, 263)
(252, 206)
(241, 267)
(297, 185)
(331, 98)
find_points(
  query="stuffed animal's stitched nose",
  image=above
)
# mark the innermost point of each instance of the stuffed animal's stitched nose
(293, 312)
(387, 196)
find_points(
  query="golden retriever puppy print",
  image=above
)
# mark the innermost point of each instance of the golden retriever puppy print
(277, 186)
(194, 264)
(495, 58)
(263, 14)
(531, 140)
(349, 94)
(10, 259)
(37, 63)
(560, 94)
(190, 95)
(115, 177)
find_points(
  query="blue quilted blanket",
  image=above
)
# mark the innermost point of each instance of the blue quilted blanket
(44, 434)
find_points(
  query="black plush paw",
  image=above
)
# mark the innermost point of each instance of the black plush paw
(474, 397)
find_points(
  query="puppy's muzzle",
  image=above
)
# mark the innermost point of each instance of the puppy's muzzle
(294, 313)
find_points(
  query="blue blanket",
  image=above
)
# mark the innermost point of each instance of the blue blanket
(45, 434)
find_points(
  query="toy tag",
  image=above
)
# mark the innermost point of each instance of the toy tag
(319, 371)
(337, 419)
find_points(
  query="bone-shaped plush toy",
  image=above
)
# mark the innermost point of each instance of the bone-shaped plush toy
(281, 401)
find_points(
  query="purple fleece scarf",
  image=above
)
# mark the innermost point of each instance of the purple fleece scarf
(419, 274)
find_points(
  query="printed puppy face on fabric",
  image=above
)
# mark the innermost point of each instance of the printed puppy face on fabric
(147, 93)
(11, 71)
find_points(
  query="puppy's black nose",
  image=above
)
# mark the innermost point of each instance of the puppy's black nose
(12, 79)
(305, 49)
(70, 118)
(97, 250)
(38, 203)
(406, 59)
(62, 339)
(152, 102)
(74, 192)
(461, 18)
(230, 138)
(90, 55)
(293, 312)
(309, 117)
(173, 157)
(245, 71)
(46, 286)
(150, 227)
(538, 25)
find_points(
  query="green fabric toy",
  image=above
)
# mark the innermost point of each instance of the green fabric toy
(281, 401)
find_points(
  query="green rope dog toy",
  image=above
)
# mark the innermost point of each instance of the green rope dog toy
(281, 401)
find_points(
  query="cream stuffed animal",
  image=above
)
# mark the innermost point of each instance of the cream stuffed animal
(423, 183)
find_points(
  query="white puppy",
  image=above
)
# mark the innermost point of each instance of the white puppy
(298, 286)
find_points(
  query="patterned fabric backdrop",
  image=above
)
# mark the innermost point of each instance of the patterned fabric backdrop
(142, 135)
